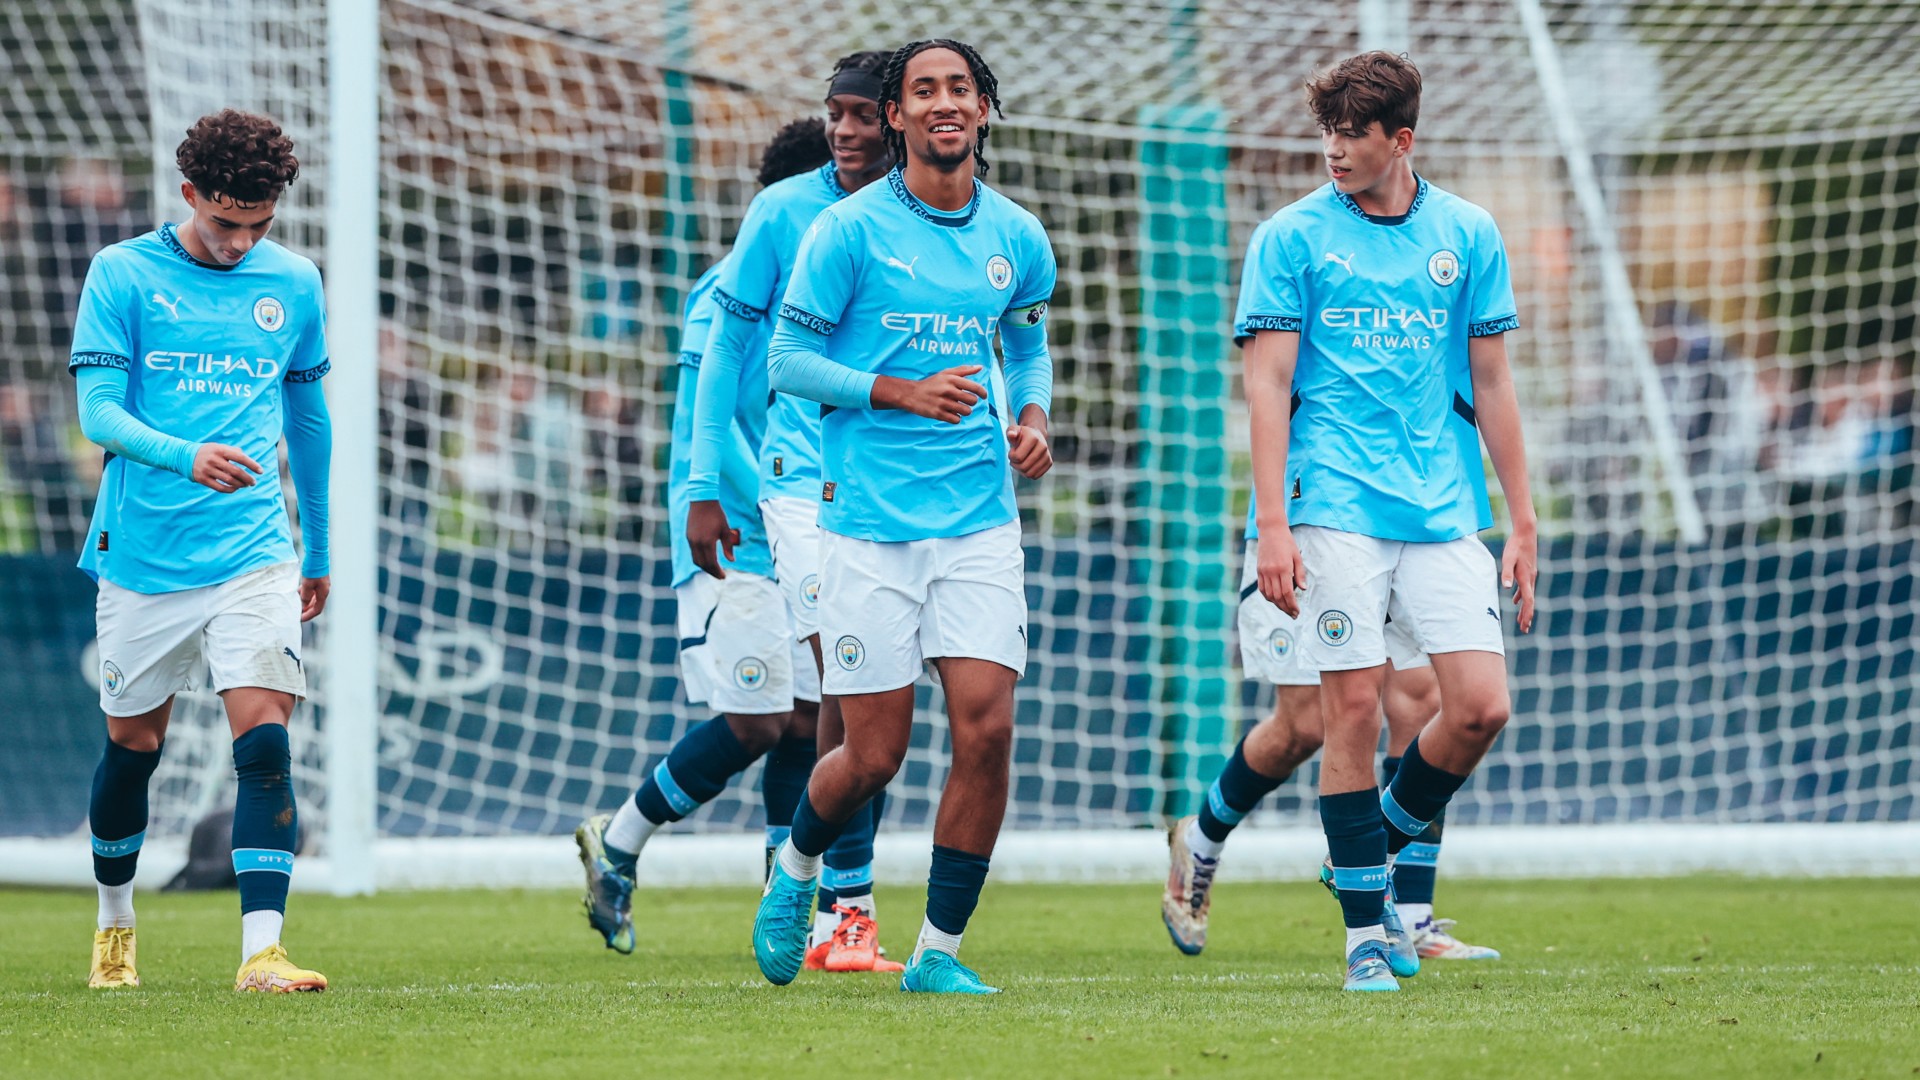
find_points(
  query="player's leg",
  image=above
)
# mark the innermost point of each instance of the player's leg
(788, 766)
(734, 658)
(1350, 584)
(1411, 701)
(149, 647)
(252, 644)
(870, 609)
(975, 624)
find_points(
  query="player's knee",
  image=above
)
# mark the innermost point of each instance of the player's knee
(872, 767)
(1482, 718)
(988, 739)
(758, 734)
(1349, 700)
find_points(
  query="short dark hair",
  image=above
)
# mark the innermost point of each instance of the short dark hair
(240, 156)
(795, 148)
(1360, 90)
(984, 84)
(871, 61)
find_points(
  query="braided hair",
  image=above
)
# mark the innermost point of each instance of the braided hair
(984, 84)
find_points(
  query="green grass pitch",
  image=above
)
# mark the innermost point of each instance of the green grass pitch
(1687, 978)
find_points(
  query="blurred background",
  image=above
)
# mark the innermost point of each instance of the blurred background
(1710, 210)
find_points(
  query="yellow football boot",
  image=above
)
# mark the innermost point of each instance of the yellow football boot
(270, 972)
(113, 959)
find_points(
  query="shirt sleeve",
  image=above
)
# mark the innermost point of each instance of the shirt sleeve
(101, 334)
(309, 431)
(310, 363)
(1269, 287)
(817, 296)
(1491, 307)
(104, 419)
(1023, 331)
(718, 379)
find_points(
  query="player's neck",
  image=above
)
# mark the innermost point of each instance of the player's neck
(1393, 195)
(943, 189)
(851, 182)
(190, 240)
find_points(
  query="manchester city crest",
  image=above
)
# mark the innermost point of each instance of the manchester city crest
(1444, 268)
(111, 680)
(750, 673)
(1280, 643)
(849, 652)
(810, 591)
(269, 314)
(1335, 627)
(999, 272)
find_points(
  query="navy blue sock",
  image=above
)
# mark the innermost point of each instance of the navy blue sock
(783, 781)
(1234, 794)
(1418, 863)
(1357, 843)
(1415, 798)
(812, 836)
(696, 769)
(953, 888)
(849, 860)
(117, 812)
(265, 821)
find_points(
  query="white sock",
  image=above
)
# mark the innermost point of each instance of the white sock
(259, 929)
(1358, 934)
(1413, 915)
(932, 937)
(824, 924)
(797, 866)
(629, 829)
(1200, 844)
(116, 906)
(863, 904)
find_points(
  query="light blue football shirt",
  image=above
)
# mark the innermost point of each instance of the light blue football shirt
(902, 289)
(205, 349)
(749, 289)
(1383, 438)
(738, 484)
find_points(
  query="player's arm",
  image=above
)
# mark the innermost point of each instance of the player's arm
(714, 436)
(1497, 408)
(1029, 367)
(1268, 360)
(309, 431)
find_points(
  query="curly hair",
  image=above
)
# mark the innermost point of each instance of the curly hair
(984, 84)
(240, 156)
(795, 148)
(1356, 92)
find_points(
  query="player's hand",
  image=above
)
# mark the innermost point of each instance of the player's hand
(947, 396)
(223, 468)
(1028, 452)
(1279, 569)
(313, 596)
(1519, 568)
(707, 526)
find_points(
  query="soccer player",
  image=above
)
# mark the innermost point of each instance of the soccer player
(736, 655)
(845, 936)
(920, 557)
(1372, 315)
(196, 348)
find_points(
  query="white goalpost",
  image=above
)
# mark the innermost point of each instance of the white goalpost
(1709, 211)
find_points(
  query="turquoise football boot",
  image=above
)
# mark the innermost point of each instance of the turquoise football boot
(1403, 953)
(935, 972)
(780, 927)
(1368, 969)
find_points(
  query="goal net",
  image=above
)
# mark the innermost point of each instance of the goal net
(1711, 215)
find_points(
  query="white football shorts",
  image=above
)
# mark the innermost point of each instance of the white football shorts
(886, 608)
(793, 532)
(243, 632)
(1270, 645)
(736, 652)
(1445, 596)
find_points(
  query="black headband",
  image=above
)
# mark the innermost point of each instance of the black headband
(864, 84)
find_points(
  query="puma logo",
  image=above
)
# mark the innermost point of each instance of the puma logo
(1346, 262)
(907, 266)
(172, 306)
(296, 659)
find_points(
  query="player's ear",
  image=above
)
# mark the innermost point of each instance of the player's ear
(890, 111)
(188, 193)
(1403, 141)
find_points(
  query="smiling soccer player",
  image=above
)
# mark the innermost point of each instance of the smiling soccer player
(197, 347)
(889, 317)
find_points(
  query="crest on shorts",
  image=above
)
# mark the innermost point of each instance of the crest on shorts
(1280, 643)
(810, 591)
(1335, 627)
(999, 272)
(849, 652)
(111, 680)
(269, 314)
(1444, 268)
(750, 673)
